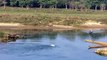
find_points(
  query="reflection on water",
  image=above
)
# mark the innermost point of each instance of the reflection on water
(52, 45)
(71, 34)
(93, 36)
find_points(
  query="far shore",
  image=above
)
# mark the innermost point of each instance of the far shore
(55, 19)
(17, 26)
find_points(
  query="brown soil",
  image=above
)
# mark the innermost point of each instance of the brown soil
(54, 27)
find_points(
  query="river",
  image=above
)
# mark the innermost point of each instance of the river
(54, 45)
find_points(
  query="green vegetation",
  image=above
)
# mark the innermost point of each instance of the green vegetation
(46, 16)
(1, 34)
(46, 12)
(68, 4)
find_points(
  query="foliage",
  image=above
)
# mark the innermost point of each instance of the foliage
(52, 2)
(71, 4)
(25, 3)
(13, 2)
(1, 34)
(1, 2)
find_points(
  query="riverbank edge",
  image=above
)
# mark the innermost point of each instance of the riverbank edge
(53, 27)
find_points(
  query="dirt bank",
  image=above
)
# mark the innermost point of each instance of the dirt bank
(54, 27)
(93, 24)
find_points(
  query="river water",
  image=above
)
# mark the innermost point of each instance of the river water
(54, 45)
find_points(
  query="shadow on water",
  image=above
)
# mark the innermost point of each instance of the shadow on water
(95, 35)
(52, 35)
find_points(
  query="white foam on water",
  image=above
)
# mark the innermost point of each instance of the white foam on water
(52, 45)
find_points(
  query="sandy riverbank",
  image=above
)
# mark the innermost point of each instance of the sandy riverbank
(56, 27)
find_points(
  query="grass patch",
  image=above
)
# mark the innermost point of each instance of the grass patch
(45, 16)
(1, 34)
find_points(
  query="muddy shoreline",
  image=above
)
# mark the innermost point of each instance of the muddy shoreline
(54, 27)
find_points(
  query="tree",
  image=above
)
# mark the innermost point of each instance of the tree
(42, 3)
(52, 3)
(4, 3)
(1, 2)
(25, 3)
(8, 2)
(74, 4)
(96, 3)
(93, 3)
(103, 4)
(13, 2)
(88, 4)
(82, 4)
(64, 2)
(34, 3)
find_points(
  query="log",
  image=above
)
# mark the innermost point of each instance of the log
(101, 51)
(96, 42)
(91, 47)
(101, 47)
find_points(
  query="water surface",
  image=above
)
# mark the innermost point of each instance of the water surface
(53, 45)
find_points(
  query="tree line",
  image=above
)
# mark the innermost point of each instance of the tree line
(67, 4)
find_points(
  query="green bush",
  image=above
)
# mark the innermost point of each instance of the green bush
(1, 34)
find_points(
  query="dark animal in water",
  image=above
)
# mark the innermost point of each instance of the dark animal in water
(90, 32)
(12, 36)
